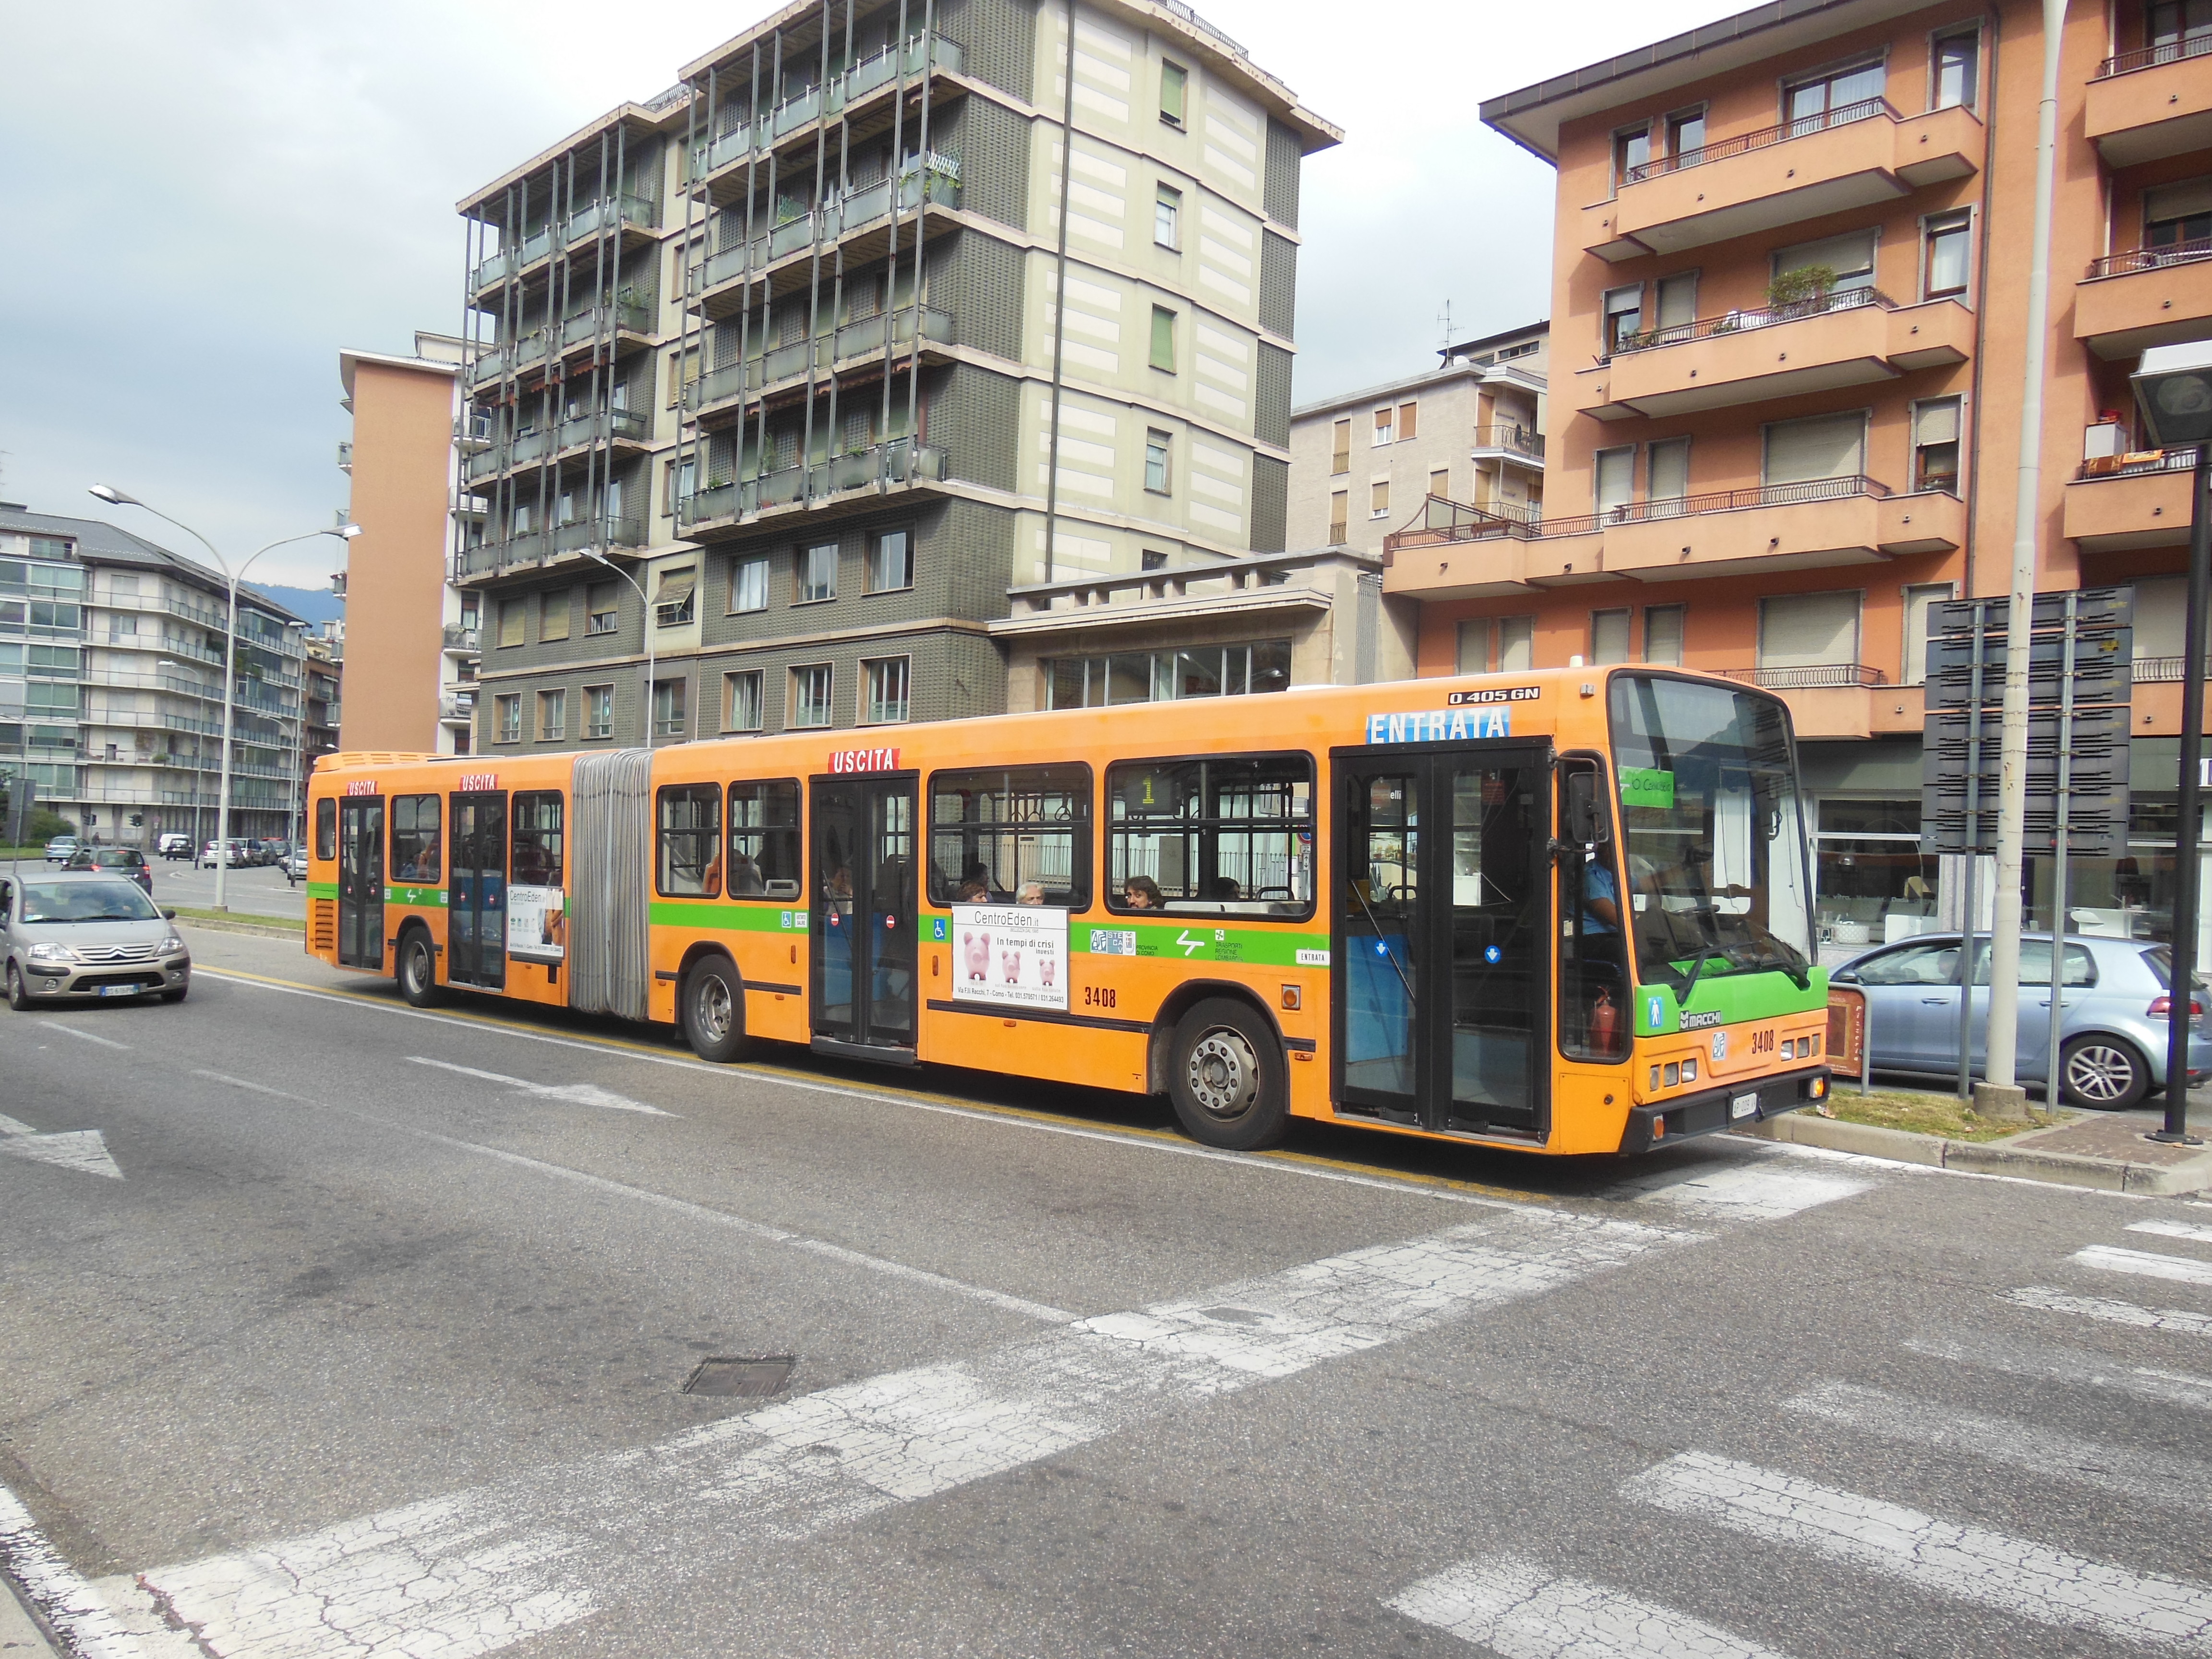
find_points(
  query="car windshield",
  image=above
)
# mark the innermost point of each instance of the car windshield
(86, 900)
(1710, 814)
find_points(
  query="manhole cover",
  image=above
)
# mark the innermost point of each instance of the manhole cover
(742, 1379)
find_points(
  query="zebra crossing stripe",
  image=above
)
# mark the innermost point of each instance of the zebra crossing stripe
(2113, 1312)
(2070, 1366)
(1742, 1194)
(2148, 1264)
(1519, 1610)
(1970, 1563)
(2173, 1229)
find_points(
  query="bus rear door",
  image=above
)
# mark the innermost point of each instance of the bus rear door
(476, 916)
(361, 882)
(1441, 898)
(862, 986)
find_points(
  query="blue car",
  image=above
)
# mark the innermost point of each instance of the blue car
(2112, 1023)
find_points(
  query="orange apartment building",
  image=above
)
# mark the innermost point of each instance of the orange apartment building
(1789, 292)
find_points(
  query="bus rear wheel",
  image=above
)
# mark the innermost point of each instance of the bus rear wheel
(713, 1010)
(418, 970)
(1227, 1078)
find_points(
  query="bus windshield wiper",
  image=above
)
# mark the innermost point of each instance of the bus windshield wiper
(1705, 954)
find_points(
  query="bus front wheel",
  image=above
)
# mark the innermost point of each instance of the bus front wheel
(1227, 1079)
(418, 969)
(713, 1010)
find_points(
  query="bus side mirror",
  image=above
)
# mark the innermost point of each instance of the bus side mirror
(1585, 823)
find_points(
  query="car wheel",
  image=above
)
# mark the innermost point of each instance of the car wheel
(18, 998)
(418, 970)
(713, 1010)
(1227, 1079)
(2103, 1073)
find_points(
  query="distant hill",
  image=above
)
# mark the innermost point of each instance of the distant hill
(312, 605)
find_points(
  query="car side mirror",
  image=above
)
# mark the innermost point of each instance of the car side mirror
(1846, 977)
(168, 915)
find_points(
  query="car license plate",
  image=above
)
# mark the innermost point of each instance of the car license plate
(121, 990)
(1744, 1106)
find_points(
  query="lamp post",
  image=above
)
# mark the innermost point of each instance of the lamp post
(115, 497)
(2174, 385)
(644, 626)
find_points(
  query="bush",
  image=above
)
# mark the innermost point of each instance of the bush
(1795, 287)
(40, 827)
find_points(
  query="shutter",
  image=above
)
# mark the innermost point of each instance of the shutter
(2183, 201)
(1610, 636)
(1936, 422)
(1825, 447)
(1516, 644)
(1616, 477)
(1804, 630)
(676, 585)
(2161, 609)
(1847, 256)
(1670, 470)
(1678, 300)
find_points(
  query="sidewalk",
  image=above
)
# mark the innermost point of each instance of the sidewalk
(20, 1635)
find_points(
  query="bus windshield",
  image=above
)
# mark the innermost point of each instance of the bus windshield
(1714, 840)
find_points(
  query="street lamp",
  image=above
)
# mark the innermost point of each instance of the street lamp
(2174, 385)
(645, 622)
(115, 497)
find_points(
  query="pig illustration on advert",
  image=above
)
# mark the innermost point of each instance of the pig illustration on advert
(976, 953)
(1047, 972)
(1011, 961)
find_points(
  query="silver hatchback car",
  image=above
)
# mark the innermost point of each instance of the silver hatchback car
(2113, 1018)
(87, 934)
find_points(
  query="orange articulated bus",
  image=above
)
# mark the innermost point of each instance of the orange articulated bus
(1563, 911)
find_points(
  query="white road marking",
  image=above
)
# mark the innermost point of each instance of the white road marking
(1972, 1563)
(2145, 1477)
(480, 1570)
(576, 1094)
(83, 1037)
(2173, 1229)
(2146, 1264)
(2072, 1367)
(760, 1229)
(2048, 1300)
(82, 1149)
(68, 1603)
(1519, 1610)
(1750, 1194)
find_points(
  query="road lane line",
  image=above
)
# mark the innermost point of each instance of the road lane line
(576, 1094)
(2049, 1300)
(71, 1605)
(83, 1037)
(479, 1569)
(759, 1229)
(2144, 1477)
(2146, 1264)
(2173, 1229)
(1970, 1563)
(2072, 1367)
(1519, 1610)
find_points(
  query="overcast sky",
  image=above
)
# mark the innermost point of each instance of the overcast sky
(204, 202)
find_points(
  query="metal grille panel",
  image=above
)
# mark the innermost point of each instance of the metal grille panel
(611, 884)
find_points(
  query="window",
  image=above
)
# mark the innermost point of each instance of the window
(1946, 241)
(1163, 676)
(1869, 866)
(1608, 636)
(1223, 833)
(890, 562)
(415, 854)
(1662, 634)
(993, 833)
(1936, 445)
(764, 840)
(817, 573)
(536, 817)
(1409, 422)
(1339, 512)
(679, 481)
(2177, 215)
(741, 701)
(1920, 605)
(1440, 484)
(1833, 97)
(1917, 964)
(510, 623)
(1516, 644)
(675, 600)
(883, 683)
(1386, 421)
(1667, 470)
(1167, 210)
(1173, 79)
(1678, 303)
(1958, 67)
(1809, 633)
(810, 695)
(1624, 316)
(1685, 132)
(749, 584)
(1616, 479)
(1164, 346)
(1149, 559)
(1821, 446)
(1474, 653)
(327, 829)
(552, 716)
(2176, 28)
(599, 711)
(690, 862)
(602, 603)
(507, 714)
(1851, 258)
(1378, 499)
(553, 615)
(668, 715)
(682, 370)
(1631, 150)
(1158, 476)
(1340, 454)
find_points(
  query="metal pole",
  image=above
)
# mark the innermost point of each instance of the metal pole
(1973, 844)
(2052, 1081)
(2181, 984)
(222, 798)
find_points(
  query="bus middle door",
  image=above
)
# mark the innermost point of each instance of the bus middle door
(862, 986)
(476, 916)
(361, 882)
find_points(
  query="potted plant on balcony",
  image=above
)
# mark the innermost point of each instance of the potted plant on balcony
(1794, 293)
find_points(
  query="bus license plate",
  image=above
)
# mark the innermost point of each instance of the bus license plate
(1744, 1106)
(121, 990)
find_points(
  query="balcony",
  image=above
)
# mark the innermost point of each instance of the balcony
(345, 457)
(623, 426)
(2149, 296)
(460, 640)
(617, 214)
(714, 283)
(853, 344)
(878, 70)
(1509, 443)
(457, 709)
(2145, 106)
(602, 322)
(2118, 503)
(1850, 157)
(729, 506)
(1852, 337)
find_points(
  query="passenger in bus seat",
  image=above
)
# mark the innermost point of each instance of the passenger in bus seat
(975, 890)
(1141, 893)
(1032, 893)
(745, 876)
(1224, 888)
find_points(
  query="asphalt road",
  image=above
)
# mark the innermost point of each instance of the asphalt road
(374, 1341)
(256, 891)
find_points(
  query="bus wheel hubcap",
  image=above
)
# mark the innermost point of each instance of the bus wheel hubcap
(2101, 1074)
(1224, 1073)
(713, 1009)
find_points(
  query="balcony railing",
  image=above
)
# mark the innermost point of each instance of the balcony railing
(459, 638)
(897, 462)
(2170, 51)
(1808, 676)
(879, 69)
(345, 456)
(1446, 521)
(2136, 463)
(1720, 149)
(786, 361)
(1736, 322)
(598, 532)
(1517, 438)
(2162, 670)
(2152, 259)
(862, 208)
(629, 424)
(586, 325)
(594, 217)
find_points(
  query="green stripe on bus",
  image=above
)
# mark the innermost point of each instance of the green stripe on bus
(429, 898)
(328, 890)
(729, 917)
(1200, 942)
(1727, 1000)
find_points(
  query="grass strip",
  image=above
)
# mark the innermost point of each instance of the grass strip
(297, 924)
(1928, 1113)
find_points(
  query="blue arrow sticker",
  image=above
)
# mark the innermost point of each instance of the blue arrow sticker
(1492, 953)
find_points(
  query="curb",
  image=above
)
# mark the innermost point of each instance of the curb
(273, 930)
(1989, 1158)
(22, 1635)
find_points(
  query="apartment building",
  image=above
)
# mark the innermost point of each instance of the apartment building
(323, 672)
(1789, 275)
(414, 629)
(799, 367)
(1469, 430)
(122, 645)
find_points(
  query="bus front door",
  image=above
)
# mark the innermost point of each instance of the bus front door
(476, 917)
(862, 920)
(1441, 895)
(361, 884)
